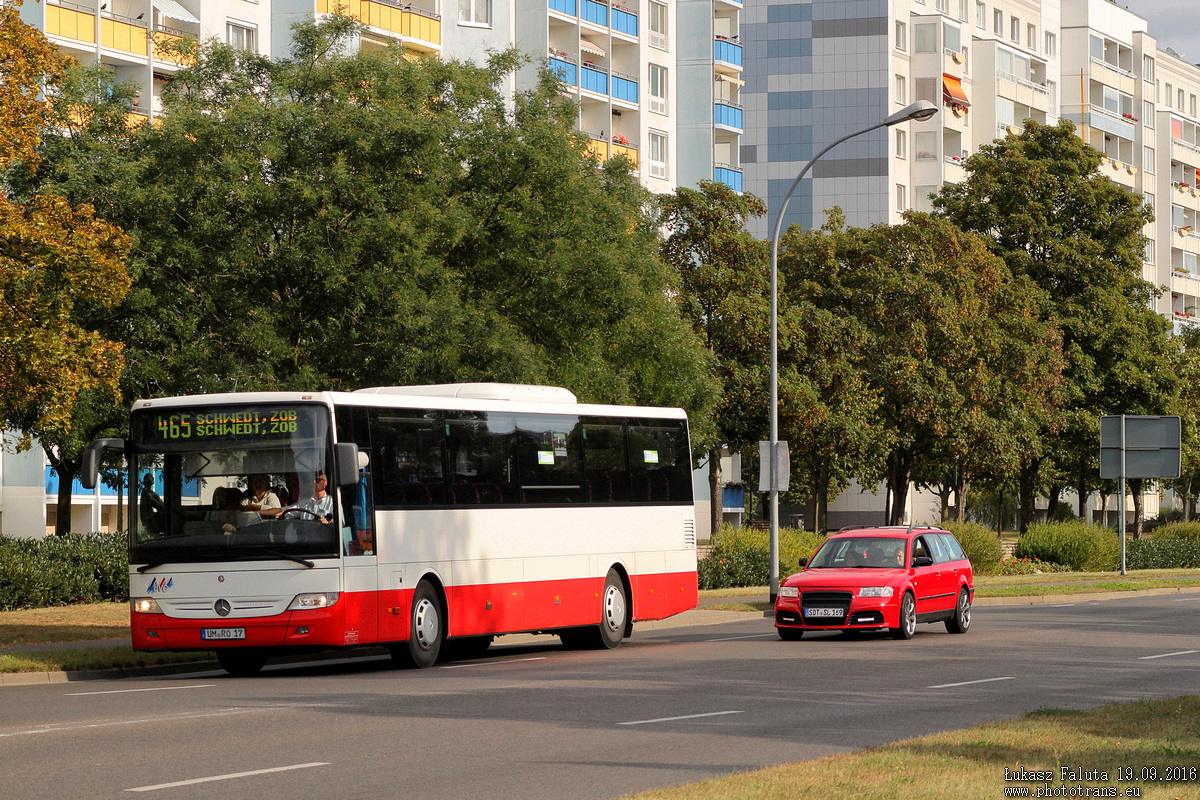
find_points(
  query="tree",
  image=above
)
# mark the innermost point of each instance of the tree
(1042, 206)
(723, 291)
(334, 221)
(55, 258)
(942, 338)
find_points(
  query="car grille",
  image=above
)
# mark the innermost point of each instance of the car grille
(837, 600)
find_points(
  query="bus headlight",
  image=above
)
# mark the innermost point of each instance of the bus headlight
(144, 605)
(789, 591)
(875, 591)
(313, 600)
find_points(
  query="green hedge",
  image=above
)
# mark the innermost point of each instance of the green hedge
(61, 570)
(741, 556)
(1082, 547)
(981, 544)
(1162, 553)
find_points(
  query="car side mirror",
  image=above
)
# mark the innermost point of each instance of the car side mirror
(922, 561)
(803, 563)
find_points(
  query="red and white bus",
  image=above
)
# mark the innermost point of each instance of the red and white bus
(454, 514)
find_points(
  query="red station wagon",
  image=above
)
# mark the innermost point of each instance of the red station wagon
(876, 578)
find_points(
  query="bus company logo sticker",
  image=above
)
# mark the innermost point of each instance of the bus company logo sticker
(650, 456)
(546, 457)
(159, 585)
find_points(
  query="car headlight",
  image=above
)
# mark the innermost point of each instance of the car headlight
(875, 591)
(144, 605)
(789, 591)
(312, 600)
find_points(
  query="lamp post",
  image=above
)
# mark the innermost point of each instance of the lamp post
(919, 111)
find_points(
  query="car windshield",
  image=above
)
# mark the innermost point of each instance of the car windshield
(217, 484)
(860, 551)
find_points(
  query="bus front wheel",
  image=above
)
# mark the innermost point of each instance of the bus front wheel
(241, 663)
(426, 629)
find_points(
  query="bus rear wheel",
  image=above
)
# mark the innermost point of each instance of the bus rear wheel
(614, 618)
(426, 629)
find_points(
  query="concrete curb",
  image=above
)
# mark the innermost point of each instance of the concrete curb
(697, 616)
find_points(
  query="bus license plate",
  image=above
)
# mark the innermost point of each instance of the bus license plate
(823, 612)
(213, 634)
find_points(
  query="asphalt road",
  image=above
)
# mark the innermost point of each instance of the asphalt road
(672, 705)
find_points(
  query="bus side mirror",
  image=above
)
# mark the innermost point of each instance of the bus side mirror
(803, 563)
(91, 460)
(347, 454)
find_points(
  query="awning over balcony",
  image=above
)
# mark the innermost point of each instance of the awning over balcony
(952, 91)
(731, 79)
(588, 47)
(172, 9)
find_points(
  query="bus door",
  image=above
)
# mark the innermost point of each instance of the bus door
(360, 582)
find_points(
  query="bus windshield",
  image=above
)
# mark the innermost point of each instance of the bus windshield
(221, 483)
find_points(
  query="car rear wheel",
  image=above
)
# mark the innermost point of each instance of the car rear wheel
(908, 618)
(962, 614)
(790, 634)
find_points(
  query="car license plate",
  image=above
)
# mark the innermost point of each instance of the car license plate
(823, 612)
(213, 634)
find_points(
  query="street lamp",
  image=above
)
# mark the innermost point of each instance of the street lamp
(919, 111)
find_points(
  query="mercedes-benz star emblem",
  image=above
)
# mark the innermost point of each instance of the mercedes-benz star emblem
(222, 607)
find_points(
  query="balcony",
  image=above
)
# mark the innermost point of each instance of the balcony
(125, 34)
(727, 52)
(729, 175)
(71, 21)
(567, 7)
(417, 25)
(593, 79)
(733, 499)
(593, 12)
(604, 149)
(566, 69)
(624, 87)
(624, 21)
(727, 115)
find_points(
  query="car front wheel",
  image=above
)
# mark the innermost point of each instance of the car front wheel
(908, 618)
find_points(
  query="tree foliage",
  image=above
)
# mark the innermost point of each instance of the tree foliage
(1045, 210)
(55, 258)
(334, 220)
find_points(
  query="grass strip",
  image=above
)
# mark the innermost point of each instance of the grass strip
(1147, 735)
(92, 658)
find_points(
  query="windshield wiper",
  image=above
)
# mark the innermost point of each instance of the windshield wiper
(151, 565)
(289, 557)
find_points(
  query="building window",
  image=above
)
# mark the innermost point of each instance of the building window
(1192, 105)
(901, 144)
(241, 37)
(925, 40)
(927, 143)
(929, 89)
(1167, 96)
(1148, 69)
(998, 22)
(1014, 30)
(1051, 45)
(980, 15)
(1148, 113)
(1031, 37)
(923, 198)
(1149, 198)
(658, 89)
(901, 37)
(901, 198)
(962, 10)
(658, 26)
(1148, 160)
(475, 12)
(1150, 251)
(942, 6)
(657, 157)
(1179, 104)
(901, 93)
(952, 37)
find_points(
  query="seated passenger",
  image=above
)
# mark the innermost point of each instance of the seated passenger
(898, 556)
(225, 508)
(260, 499)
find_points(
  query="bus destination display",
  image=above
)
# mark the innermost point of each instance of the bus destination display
(259, 422)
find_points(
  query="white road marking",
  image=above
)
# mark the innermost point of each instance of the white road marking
(80, 726)
(230, 776)
(155, 689)
(735, 638)
(1168, 655)
(969, 683)
(493, 662)
(673, 719)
